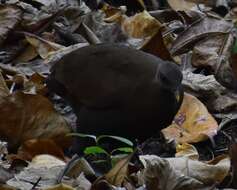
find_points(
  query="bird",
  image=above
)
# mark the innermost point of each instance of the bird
(118, 90)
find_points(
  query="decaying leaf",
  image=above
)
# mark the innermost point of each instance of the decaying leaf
(205, 27)
(156, 46)
(182, 172)
(43, 168)
(192, 123)
(60, 187)
(34, 147)
(10, 16)
(117, 174)
(4, 91)
(186, 150)
(57, 55)
(141, 25)
(214, 53)
(28, 54)
(26, 116)
(42, 46)
(77, 167)
(216, 97)
(159, 174)
(45, 160)
(181, 5)
(35, 85)
(5, 174)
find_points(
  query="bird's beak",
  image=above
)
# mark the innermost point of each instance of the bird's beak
(177, 95)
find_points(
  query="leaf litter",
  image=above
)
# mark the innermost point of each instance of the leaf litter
(35, 125)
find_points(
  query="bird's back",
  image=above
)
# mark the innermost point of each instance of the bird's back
(104, 73)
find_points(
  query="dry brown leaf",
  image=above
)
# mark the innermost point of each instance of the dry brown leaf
(181, 172)
(35, 85)
(28, 54)
(10, 16)
(181, 5)
(42, 46)
(60, 187)
(110, 11)
(156, 46)
(192, 123)
(4, 91)
(214, 53)
(101, 184)
(78, 167)
(117, 174)
(216, 97)
(6, 187)
(203, 28)
(140, 25)
(34, 147)
(159, 174)
(26, 116)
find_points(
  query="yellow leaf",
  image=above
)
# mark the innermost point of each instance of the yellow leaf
(187, 150)
(192, 123)
(140, 25)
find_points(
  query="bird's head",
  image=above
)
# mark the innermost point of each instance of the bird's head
(169, 76)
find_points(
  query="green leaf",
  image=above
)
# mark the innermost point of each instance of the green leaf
(95, 150)
(121, 139)
(123, 149)
(82, 135)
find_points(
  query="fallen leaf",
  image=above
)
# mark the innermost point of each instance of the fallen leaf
(156, 46)
(4, 91)
(42, 168)
(216, 97)
(214, 54)
(187, 150)
(181, 5)
(159, 174)
(10, 16)
(140, 25)
(42, 46)
(5, 174)
(78, 166)
(83, 183)
(192, 123)
(172, 173)
(27, 55)
(45, 160)
(35, 85)
(117, 174)
(206, 27)
(7, 187)
(34, 147)
(60, 187)
(26, 116)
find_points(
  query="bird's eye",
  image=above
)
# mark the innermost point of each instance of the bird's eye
(164, 79)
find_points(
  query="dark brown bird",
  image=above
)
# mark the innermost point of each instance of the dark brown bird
(118, 90)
